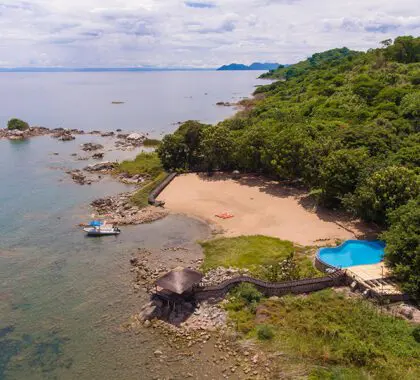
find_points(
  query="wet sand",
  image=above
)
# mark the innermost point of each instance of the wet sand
(259, 207)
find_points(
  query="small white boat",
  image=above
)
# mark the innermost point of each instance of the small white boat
(98, 228)
(103, 230)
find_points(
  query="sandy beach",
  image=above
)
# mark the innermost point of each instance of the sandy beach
(259, 207)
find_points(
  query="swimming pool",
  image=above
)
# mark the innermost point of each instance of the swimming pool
(353, 252)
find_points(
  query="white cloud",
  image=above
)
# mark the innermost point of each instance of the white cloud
(204, 33)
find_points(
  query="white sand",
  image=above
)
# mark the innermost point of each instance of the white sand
(260, 207)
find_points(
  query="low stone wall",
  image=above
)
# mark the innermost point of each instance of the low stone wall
(159, 188)
(389, 297)
(323, 266)
(270, 288)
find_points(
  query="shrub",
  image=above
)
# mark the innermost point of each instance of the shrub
(248, 293)
(265, 332)
(285, 270)
(144, 163)
(360, 353)
(17, 124)
(151, 142)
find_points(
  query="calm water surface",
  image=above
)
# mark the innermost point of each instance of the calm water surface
(64, 297)
(153, 100)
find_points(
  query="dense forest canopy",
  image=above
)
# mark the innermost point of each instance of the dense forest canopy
(345, 124)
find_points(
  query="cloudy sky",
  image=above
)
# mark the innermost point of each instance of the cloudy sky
(192, 33)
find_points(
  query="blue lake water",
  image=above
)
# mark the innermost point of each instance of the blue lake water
(64, 297)
(353, 252)
(153, 100)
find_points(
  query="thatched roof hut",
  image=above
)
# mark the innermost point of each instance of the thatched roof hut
(179, 280)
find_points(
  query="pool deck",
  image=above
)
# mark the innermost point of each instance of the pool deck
(370, 271)
(376, 277)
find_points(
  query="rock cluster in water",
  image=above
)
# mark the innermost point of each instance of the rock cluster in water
(88, 147)
(61, 134)
(16, 134)
(104, 167)
(80, 178)
(129, 141)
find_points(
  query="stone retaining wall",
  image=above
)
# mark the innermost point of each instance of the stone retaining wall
(159, 188)
(270, 288)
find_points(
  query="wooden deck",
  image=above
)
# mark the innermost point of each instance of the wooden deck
(375, 277)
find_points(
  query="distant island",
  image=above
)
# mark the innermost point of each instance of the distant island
(254, 66)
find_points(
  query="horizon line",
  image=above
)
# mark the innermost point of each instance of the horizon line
(98, 69)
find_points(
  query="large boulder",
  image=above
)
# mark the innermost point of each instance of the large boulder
(16, 134)
(135, 137)
(101, 166)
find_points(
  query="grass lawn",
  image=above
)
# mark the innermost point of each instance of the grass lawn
(250, 252)
(151, 142)
(140, 198)
(330, 336)
(144, 163)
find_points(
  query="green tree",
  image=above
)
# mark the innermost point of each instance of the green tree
(410, 105)
(181, 150)
(341, 172)
(366, 87)
(406, 49)
(17, 124)
(217, 147)
(402, 251)
(173, 152)
(384, 191)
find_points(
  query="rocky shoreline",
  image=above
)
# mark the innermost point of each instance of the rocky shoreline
(198, 327)
(123, 141)
(120, 210)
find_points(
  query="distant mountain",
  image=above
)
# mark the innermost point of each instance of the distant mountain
(254, 66)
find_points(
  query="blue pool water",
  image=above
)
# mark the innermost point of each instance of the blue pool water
(353, 252)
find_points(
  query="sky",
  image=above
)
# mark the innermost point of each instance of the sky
(193, 33)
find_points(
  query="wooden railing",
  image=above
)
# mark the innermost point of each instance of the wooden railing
(272, 288)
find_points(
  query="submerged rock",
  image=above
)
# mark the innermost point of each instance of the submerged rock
(107, 134)
(78, 177)
(98, 156)
(66, 137)
(91, 146)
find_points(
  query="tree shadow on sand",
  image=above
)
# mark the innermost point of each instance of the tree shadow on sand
(295, 189)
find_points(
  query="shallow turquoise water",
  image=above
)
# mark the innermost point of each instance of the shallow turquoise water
(353, 252)
(63, 297)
